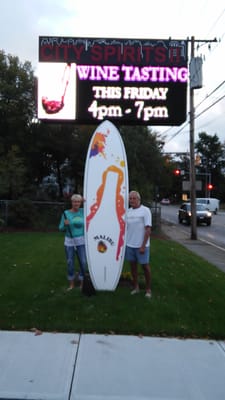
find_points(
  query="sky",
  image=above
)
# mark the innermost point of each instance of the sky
(23, 21)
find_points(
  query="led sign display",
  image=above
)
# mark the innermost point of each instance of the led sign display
(128, 81)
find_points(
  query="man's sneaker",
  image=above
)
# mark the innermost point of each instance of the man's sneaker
(135, 291)
(148, 295)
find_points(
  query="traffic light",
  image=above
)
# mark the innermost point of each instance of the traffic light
(176, 172)
(210, 186)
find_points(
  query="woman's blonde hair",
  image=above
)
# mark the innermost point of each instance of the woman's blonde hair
(76, 197)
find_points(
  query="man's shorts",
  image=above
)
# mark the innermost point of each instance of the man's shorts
(133, 254)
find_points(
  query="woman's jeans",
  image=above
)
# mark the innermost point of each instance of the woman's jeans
(70, 258)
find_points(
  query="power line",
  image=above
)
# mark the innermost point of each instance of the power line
(210, 106)
(210, 94)
(206, 109)
(196, 116)
(206, 98)
(214, 90)
(216, 22)
(177, 133)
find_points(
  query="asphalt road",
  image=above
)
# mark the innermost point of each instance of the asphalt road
(214, 234)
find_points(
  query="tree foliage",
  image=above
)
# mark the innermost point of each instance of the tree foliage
(144, 156)
(63, 150)
(16, 112)
(16, 100)
(212, 152)
(12, 173)
(212, 161)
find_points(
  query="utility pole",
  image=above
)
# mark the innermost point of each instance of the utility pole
(192, 149)
(192, 156)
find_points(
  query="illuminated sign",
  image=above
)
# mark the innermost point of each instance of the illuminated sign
(129, 81)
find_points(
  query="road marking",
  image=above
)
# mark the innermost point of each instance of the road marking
(205, 241)
(212, 244)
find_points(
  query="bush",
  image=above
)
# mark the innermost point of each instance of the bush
(2, 223)
(22, 214)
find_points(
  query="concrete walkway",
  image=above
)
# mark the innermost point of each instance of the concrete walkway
(52, 366)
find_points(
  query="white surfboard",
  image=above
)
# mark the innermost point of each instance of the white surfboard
(105, 206)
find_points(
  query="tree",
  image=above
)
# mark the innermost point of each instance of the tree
(212, 156)
(17, 103)
(12, 174)
(145, 162)
(16, 112)
(60, 150)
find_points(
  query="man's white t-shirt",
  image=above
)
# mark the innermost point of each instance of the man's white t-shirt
(137, 220)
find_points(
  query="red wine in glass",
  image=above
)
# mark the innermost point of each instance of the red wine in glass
(54, 106)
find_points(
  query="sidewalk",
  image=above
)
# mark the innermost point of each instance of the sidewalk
(54, 366)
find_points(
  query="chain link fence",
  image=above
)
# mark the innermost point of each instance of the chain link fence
(38, 215)
(156, 214)
(31, 214)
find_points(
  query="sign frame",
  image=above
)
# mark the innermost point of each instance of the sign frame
(127, 81)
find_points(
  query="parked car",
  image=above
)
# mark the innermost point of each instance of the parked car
(203, 215)
(165, 202)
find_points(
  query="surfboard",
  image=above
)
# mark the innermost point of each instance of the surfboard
(105, 206)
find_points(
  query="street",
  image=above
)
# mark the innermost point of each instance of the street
(214, 234)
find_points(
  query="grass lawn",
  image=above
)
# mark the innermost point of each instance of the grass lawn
(188, 293)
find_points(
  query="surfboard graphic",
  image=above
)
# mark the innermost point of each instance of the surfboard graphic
(105, 206)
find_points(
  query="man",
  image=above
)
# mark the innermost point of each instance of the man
(139, 222)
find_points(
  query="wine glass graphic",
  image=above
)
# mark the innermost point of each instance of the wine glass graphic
(53, 106)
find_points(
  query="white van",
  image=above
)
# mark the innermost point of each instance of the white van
(210, 203)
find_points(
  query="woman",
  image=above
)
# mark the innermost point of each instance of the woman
(72, 222)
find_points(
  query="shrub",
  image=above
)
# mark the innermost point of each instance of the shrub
(22, 213)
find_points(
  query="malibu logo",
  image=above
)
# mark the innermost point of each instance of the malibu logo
(102, 242)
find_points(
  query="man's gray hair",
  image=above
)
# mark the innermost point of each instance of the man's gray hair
(137, 194)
